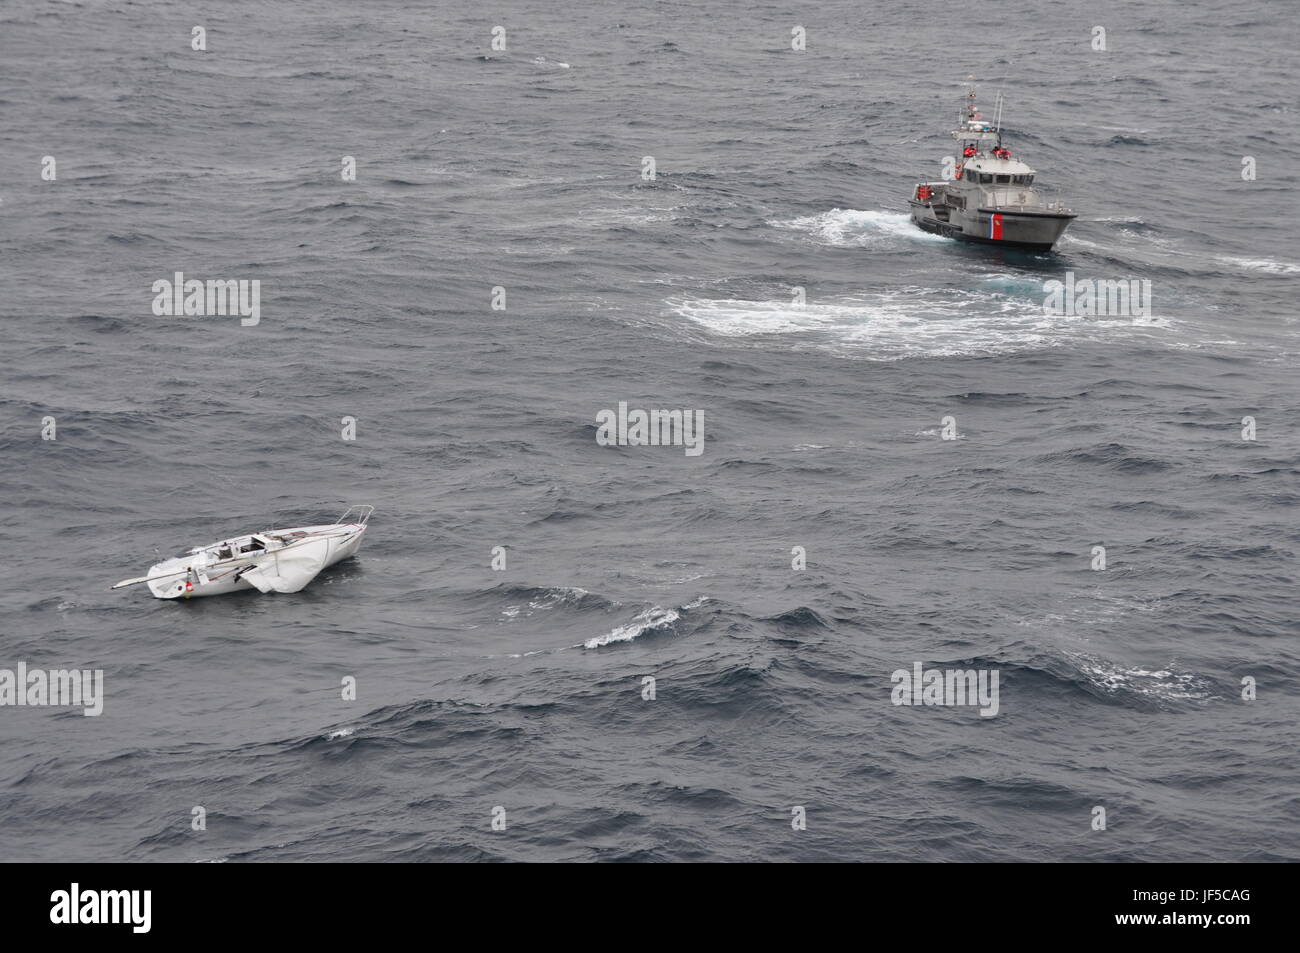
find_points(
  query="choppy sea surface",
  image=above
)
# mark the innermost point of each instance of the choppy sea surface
(522, 688)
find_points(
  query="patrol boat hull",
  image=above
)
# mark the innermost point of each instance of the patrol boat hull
(1032, 231)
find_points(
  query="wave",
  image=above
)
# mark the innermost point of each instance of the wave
(1025, 285)
(798, 618)
(1159, 687)
(525, 600)
(648, 620)
(1128, 225)
(654, 619)
(1115, 456)
(1140, 687)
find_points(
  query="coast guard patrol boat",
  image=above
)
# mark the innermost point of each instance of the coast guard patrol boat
(991, 198)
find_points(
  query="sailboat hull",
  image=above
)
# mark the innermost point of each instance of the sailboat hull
(218, 569)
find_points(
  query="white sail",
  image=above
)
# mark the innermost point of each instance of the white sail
(291, 569)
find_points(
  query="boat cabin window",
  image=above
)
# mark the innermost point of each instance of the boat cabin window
(1022, 179)
(986, 178)
(1003, 179)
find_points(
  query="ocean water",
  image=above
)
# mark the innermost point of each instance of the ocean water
(522, 688)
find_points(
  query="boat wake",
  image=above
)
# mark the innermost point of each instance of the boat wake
(910, 322)
(852, 228)
(1269, 266)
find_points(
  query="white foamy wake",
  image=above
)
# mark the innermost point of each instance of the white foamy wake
(1268, 265)
(908, 322)
(856, 228)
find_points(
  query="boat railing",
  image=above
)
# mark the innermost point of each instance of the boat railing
(363, 512)
(1028, 196)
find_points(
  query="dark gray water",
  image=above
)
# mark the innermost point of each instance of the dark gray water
(476, 428)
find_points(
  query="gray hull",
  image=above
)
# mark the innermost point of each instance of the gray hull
(1032, 230)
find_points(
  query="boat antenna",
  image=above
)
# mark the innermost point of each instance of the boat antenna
(997, 120)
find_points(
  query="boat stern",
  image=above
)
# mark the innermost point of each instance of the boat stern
(170, 580)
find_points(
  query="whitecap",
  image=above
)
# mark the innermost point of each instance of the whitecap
(1159, 684)
(650, 620)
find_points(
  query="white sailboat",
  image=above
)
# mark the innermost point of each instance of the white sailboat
(280, 560)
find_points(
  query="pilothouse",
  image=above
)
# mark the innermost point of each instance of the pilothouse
(992, 198)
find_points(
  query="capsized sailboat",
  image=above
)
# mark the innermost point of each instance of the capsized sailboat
(279, 560)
